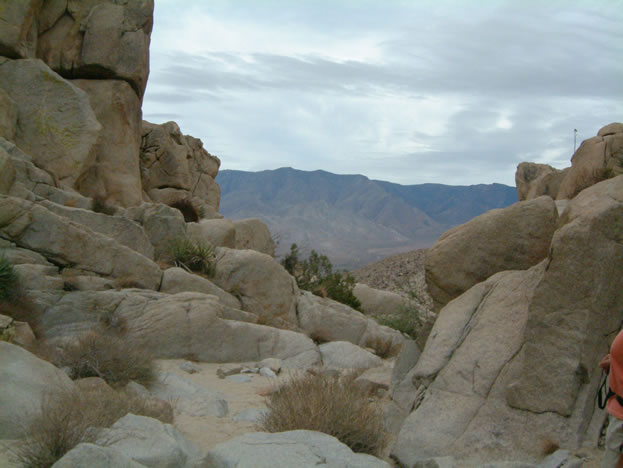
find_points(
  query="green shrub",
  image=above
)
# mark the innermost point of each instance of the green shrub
(407, 320)
(193, 256)
(8, 279)
(333, 405)
(316, 274)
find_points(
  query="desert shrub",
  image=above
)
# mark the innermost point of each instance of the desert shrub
(333, 405)
(68, 418)
(193, 256)
(383, 347)
(185, 206)
(406, 320)
(316, 274)
(116, 359)
(8, 279)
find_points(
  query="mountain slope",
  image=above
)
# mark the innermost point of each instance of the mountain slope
(350, 218)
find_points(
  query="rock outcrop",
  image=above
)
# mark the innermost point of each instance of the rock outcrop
(176, 169)
(520, 350)
(59, 134)
(597, 159)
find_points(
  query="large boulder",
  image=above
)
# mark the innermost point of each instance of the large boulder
(176, 280)
(98, 39)
(303, 449)
(459, 379)
(217, 232)
(474, 395)
(377, 302)
(94, 456)
(179, 326)
(327, 320)
(26, 382)
(115, 178)
(512, 238)
(175, 167)
(34, 227)
(254, 234)
(56, 124)
(18, 35)
(150, 443)
(345, 355)
(263, 286)
(596, 159)
(119, 228)
(534, 180)
(577, 304)
(161, 223)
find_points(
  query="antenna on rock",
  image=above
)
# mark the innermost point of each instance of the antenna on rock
(575, 134)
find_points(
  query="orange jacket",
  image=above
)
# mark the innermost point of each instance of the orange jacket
(615, 379)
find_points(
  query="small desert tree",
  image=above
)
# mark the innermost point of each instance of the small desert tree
(316, 274)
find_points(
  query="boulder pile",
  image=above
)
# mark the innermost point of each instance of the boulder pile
(95, 203)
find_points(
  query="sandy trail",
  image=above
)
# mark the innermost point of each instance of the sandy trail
(208, 431)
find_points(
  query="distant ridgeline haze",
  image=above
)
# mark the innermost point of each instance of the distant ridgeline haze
(350, 218)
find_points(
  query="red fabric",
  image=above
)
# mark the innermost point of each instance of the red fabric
(615, 379)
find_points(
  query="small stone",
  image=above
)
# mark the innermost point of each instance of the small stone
(228, 369)
(239, 378)
(190, 367)
(267, 372)
(273, 364)
(251, 415)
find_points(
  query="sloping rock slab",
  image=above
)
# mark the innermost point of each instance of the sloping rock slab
(345, 355)
(34, 227)
(94, 456)
(178, 326)
(302, 449)
(26, 381)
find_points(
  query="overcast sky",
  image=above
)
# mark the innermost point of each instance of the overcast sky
(454, 92)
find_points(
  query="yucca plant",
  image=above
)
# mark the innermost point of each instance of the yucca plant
(193, 256)
(8, 279)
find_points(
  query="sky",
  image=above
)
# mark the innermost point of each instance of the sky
(408, 91)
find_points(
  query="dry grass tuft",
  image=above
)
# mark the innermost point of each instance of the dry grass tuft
(128, 281)
(383, 346)
(68, 418)
(333, 405)
(116, 359)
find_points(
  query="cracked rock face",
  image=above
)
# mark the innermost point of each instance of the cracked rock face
(176, 167)
(512, 362)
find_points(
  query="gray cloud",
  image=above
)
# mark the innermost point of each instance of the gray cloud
(457, 95)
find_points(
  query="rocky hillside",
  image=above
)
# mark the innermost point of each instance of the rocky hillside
(350, 218)
(121, 286)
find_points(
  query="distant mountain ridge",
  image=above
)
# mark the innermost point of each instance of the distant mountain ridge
(351, 218)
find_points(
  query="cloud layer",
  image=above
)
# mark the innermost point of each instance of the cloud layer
(410, 92)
